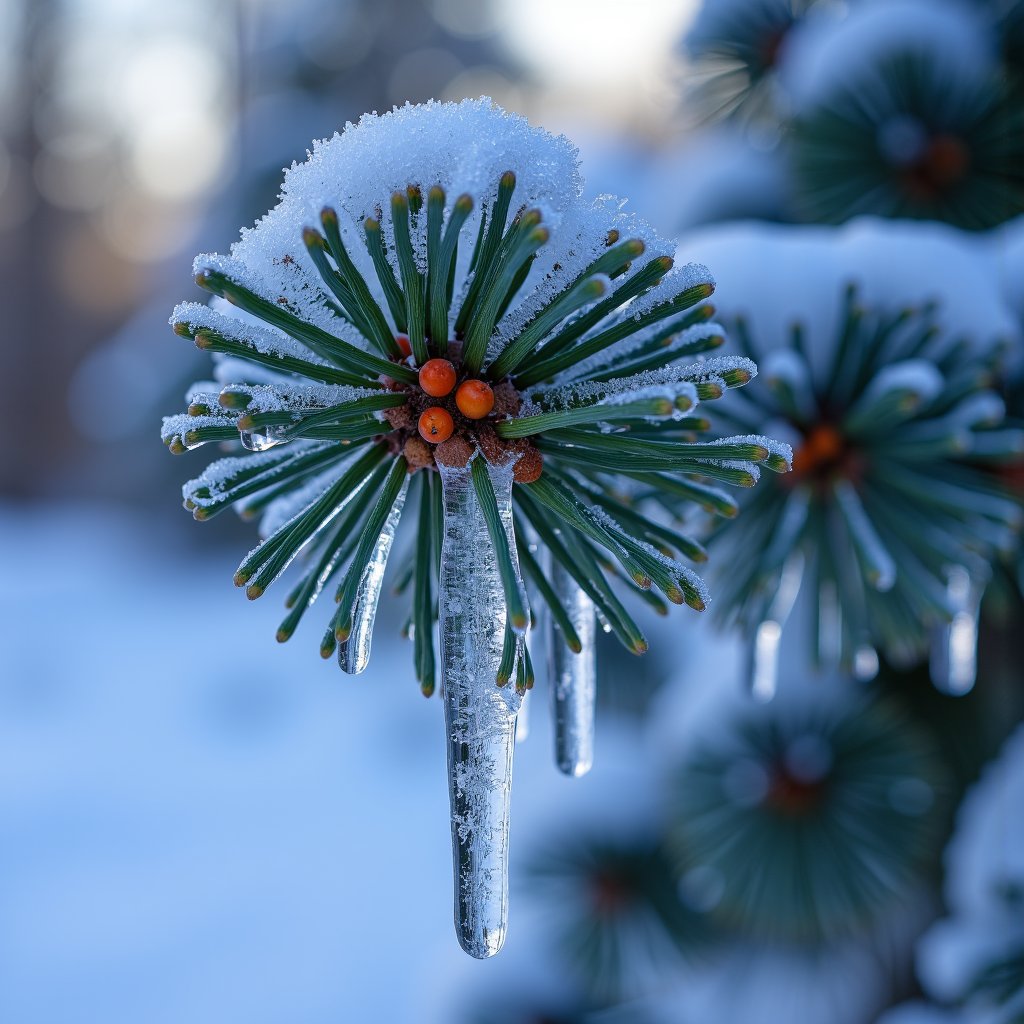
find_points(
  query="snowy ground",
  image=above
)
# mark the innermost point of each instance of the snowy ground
(201, 825)
(198, 824)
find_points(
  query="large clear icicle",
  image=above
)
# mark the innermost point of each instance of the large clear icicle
(354, 653)
(954, 645)
(573, 677)
(480, 717)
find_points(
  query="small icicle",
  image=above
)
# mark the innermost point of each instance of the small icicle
(573, 677)
(354, 653)
(523, 719)
(480, 717)
(262, 440)
(763, 672)
(954, 644)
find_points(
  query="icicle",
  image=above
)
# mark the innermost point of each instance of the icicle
(262, 440)
(573, 677)
(523, 719)
(354, 653)
(954, 649)
(480, 717)
(763, 672)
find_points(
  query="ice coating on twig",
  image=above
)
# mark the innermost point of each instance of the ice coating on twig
(573, 677)
(480, 717)
(354, 652)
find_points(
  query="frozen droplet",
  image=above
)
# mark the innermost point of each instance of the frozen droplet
(573, 677)
(954, 645)
(261, 440)
(354, 653)
(480, 717)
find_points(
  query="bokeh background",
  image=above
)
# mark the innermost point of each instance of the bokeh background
(197, 824)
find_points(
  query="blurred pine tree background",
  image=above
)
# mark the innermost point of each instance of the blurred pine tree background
(811, 813)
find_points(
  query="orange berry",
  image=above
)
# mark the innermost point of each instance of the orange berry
(823, 448)
(437, 377)
(475, 399)
(403, 344)
(436, 424)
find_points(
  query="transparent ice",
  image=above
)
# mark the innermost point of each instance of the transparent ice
(573, 677)
(953, 663)
(523, 719)
(263, 440)
(480, 717)
(354, 653)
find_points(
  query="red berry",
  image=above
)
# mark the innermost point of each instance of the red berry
(475, 399)
(436, 424)
(403, 344)
(437, 377)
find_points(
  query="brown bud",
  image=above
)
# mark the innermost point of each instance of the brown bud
(455, 452)
(401, 417)
(418, 453)
(496, 451)
(506, 399)
(529, 467)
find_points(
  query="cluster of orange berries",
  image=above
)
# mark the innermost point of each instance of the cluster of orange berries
(474, 399)
(446, 420)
